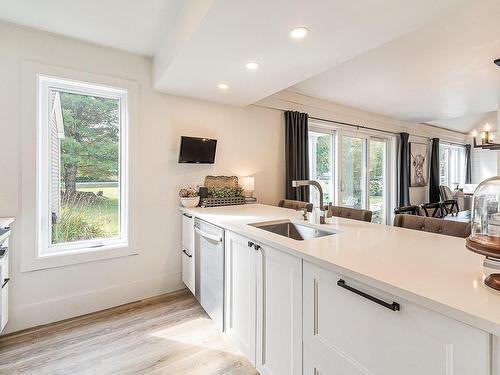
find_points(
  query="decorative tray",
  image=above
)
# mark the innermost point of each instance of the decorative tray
(216, 202)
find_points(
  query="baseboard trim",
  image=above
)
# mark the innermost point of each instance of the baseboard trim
(54, 310)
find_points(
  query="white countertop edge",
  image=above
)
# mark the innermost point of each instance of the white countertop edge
(399, 293)
(6, 221)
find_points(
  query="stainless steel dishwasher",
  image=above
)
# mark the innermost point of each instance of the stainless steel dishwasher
(209, 269)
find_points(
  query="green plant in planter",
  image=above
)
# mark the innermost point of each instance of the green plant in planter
(226, 192)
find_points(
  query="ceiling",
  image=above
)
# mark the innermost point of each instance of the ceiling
(465, 124)
(135, 26)
(444, 70)
(413, 60)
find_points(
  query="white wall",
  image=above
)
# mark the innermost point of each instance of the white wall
(250, 143)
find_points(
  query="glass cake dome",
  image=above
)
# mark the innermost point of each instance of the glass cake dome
(485, 224)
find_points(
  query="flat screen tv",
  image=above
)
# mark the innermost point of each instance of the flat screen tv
(197, 150)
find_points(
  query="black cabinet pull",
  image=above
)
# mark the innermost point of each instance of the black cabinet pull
(189, 216)
(250, 244)
(256, 247)
(5, 283)
(185, 252)
(391, 306)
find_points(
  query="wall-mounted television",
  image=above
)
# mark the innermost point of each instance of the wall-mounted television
(197, 150)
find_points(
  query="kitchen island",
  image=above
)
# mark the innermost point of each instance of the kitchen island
(367, 299)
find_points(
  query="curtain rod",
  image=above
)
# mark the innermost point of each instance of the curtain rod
(361, 126)
(352, 125)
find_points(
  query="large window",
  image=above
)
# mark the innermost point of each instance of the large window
(451, 165)
(82, 166)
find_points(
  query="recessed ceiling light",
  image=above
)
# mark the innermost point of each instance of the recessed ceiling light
(299, 32)
(252, 66)
(223, 86)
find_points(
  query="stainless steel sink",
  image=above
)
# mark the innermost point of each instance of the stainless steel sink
(292, 230)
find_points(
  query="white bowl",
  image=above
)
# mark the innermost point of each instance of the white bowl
(190, 201)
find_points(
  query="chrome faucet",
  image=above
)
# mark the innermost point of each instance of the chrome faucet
(299, 183)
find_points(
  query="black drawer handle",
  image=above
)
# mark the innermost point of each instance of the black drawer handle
(250, 244)
(5, 283)
(188, 216)
(185, 252)
(391, 306)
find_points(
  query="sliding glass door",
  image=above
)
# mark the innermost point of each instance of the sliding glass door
(321, 165)
(353, 182)
(364, 182)
(377, 185)
(352, 168)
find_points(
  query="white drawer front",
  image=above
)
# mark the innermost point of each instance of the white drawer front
(345, 333)
(188, 232)
(188, 269)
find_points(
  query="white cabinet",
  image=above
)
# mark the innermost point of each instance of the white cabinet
(347, 333)
(241, 293)
(279, 312)
(188, 253)
(264, 305)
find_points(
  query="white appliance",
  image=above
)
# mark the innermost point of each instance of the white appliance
(209, 269)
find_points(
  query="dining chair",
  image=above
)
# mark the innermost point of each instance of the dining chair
(433, 209)
(445, 192)
(407, 210)
(350, 213)
(433, 225)
(450, 206)
(295, 205)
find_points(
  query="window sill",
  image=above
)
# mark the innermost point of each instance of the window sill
(71, 258)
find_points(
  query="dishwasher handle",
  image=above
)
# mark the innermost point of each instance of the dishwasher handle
(209, 236)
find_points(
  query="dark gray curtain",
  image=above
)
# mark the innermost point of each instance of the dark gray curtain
(434, 174)
(404, 170)
(296, 154)
(468, 167)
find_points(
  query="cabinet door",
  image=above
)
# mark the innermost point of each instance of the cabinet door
(240, 293)
(188, 270)
(279, 313)
(345, 333)
(188, 232)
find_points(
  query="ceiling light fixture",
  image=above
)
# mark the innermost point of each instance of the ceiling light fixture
(223, 86)
(299, 32)
(497, 61)
(252, 66)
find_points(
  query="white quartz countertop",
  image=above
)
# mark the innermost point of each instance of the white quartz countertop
(6, 221)
(433, 270)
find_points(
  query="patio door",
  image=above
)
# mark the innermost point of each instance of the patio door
(363, 178)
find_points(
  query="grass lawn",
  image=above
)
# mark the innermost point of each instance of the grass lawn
(90, 220)
(107, 209)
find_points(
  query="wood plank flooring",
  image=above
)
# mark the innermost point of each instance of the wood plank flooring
(170, 334)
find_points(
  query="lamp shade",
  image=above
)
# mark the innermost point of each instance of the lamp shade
(248, 183)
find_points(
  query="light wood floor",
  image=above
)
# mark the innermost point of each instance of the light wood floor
(170, 334)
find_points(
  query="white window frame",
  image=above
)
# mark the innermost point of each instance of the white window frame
(30, 211)
(459, 169)
(45, 86)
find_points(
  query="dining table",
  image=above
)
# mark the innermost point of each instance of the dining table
(463, 216)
